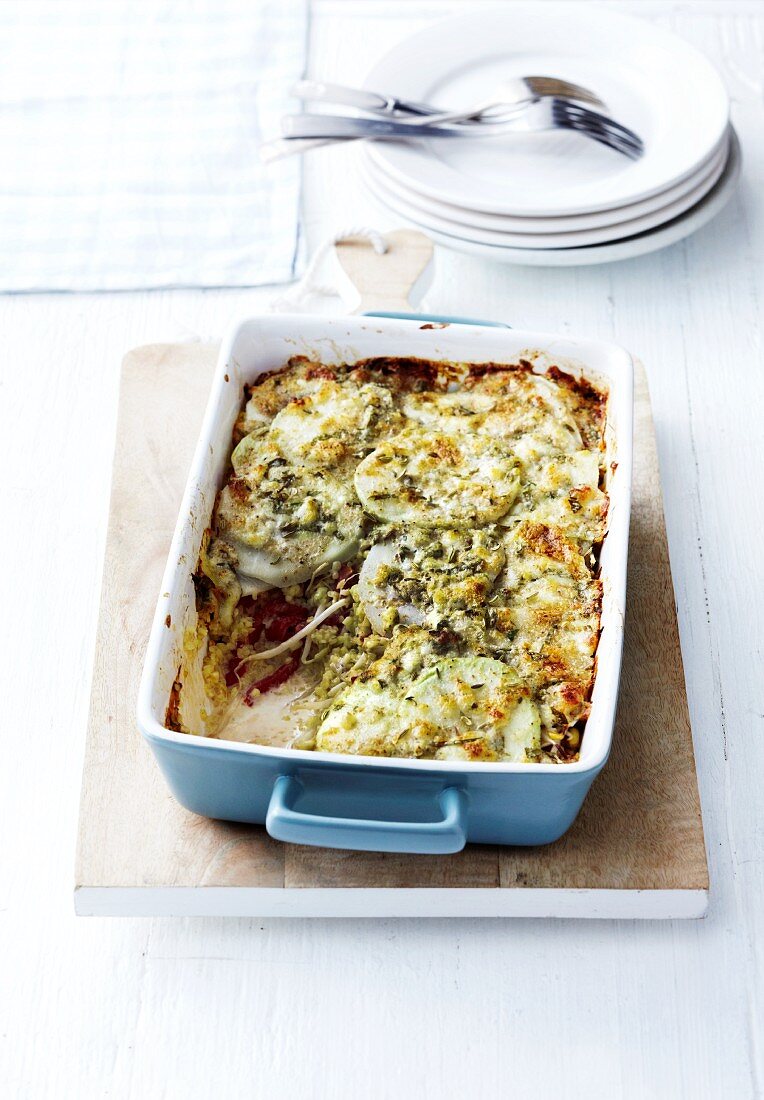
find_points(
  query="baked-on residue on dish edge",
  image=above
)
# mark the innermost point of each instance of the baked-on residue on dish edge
(402, 562)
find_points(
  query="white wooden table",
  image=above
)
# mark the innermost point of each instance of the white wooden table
(229, 1008)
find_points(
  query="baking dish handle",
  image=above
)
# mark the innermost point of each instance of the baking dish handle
(434, 318)
(363, 834)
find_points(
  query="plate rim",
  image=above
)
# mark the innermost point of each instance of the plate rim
(587, 237)
(553, 9)
(652, 240)
(608, 217)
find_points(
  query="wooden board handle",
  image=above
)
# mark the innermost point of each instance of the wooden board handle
(387, 281)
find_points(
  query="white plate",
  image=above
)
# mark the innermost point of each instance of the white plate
(507, 224)
(651, 81)
(407, 205)
(650, 241)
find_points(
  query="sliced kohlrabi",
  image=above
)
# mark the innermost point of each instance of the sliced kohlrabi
(378, 597)
(280, 563)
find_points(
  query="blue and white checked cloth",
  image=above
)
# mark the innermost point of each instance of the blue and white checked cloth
(129, 138)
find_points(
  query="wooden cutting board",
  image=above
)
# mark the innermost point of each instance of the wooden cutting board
(636, 850)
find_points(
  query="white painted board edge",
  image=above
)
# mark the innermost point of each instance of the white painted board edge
(239, 901)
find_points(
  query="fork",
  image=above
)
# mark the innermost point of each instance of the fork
(544, 114)
(512, 95)
(513, 92)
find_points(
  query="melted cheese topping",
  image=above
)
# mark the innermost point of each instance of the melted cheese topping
(548, 614)
(532, 417)
(466, 503)
(333, 423)
(563, 492)
(468, 708)
(415, 578)
(438, 480)
(283, 520)
(448, 412)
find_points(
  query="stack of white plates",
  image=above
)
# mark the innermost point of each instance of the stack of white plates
(558, 198)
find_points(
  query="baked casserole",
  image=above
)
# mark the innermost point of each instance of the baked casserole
(402, 562)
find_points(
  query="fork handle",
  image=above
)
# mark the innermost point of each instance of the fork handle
(335, 126)
(321, 92)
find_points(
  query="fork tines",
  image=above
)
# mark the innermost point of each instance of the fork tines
(572, 116)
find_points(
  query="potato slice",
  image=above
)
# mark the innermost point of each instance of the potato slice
(283, 521)
(437, 480)
(471, 708)
(429, 577)
(334, 424)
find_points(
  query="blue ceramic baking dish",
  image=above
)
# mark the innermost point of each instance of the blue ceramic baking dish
(369, 803)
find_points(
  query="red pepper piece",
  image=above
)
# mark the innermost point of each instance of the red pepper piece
(285, 625)
(264, 611)
(338, 618)
(279, 619)
(274, 679)
(345, 572)
(249, 605)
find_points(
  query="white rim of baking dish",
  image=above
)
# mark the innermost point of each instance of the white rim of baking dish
(154, 730)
